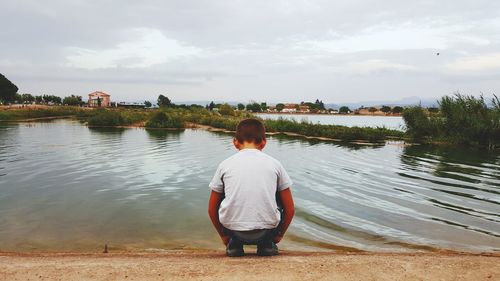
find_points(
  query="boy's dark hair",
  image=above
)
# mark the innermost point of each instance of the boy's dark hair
(250, 130)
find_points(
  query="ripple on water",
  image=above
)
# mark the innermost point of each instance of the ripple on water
(138, 187)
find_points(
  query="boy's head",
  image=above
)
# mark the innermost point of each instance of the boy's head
(250, 133)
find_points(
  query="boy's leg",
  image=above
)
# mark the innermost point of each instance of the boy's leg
(267, 247)
(235, 247)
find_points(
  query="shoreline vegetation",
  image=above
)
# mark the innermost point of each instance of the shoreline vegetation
(460, 120)
(180, 118)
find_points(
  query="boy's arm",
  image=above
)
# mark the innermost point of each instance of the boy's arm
(289, 211)
(213, 213)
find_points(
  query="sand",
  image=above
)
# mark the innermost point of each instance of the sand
(213, 265)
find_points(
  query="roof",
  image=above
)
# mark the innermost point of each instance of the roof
(98, 93)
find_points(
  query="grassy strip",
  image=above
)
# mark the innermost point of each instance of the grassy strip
(343, 133)
(30, 113)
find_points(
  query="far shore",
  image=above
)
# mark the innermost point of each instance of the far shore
(327, 114)
(214, 265)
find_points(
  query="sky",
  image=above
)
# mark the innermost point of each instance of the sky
(236, 50)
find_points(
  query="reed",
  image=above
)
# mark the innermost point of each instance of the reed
(462, 119)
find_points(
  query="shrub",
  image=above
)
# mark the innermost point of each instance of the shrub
(226, 109)
(161, 119)
(104, 117)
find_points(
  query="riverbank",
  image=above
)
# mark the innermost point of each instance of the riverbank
(213, 265)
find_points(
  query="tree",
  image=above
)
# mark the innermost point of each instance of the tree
(226, 109)
(7, 90)
(280, 107)
(72, 100)
(397, 109)
(211, 106)
(263, 106)
(321, 105)
(51, 99)
(344, 110)
(38, 99)
(372, 110)
(241, 106)
(164, 101)
(147, 103)
(28, 98)
(18, 98)
(318, 104)
(385, 109)
(254, 107)
(99, 101)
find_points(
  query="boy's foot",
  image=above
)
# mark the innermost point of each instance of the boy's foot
(234, 248)
(267, 248)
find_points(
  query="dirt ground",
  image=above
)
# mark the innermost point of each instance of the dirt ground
(213, 265)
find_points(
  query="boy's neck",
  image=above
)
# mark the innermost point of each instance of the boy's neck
(249, 146)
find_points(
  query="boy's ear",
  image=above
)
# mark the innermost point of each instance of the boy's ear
(236, 143)
(262, 144)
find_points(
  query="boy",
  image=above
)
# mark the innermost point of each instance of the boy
(250, 202)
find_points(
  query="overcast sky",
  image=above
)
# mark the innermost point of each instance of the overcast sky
(234, 50)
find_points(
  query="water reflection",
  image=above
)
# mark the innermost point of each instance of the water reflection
(163, 134)
(462, 181)
(107, 131)
(286, 139)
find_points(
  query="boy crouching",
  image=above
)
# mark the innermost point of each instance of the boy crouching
(250, 201)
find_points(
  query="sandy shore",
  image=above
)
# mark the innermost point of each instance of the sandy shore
(213, 265)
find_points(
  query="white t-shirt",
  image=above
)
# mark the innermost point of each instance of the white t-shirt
(250, 179)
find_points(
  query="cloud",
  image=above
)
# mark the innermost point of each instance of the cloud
(145, 48)
(377, 66)
(381, 38)
(263, 50)
(477, 63)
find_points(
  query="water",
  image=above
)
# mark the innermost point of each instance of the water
(390, 122)
(65, 187)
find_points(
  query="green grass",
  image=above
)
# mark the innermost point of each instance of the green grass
(29, 113)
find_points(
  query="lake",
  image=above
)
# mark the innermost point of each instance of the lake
(66, 187)
(390, 122)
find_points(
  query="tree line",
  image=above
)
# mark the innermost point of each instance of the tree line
(9, 94)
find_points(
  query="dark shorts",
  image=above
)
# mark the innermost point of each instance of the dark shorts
(256, 236)
(252, 237)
